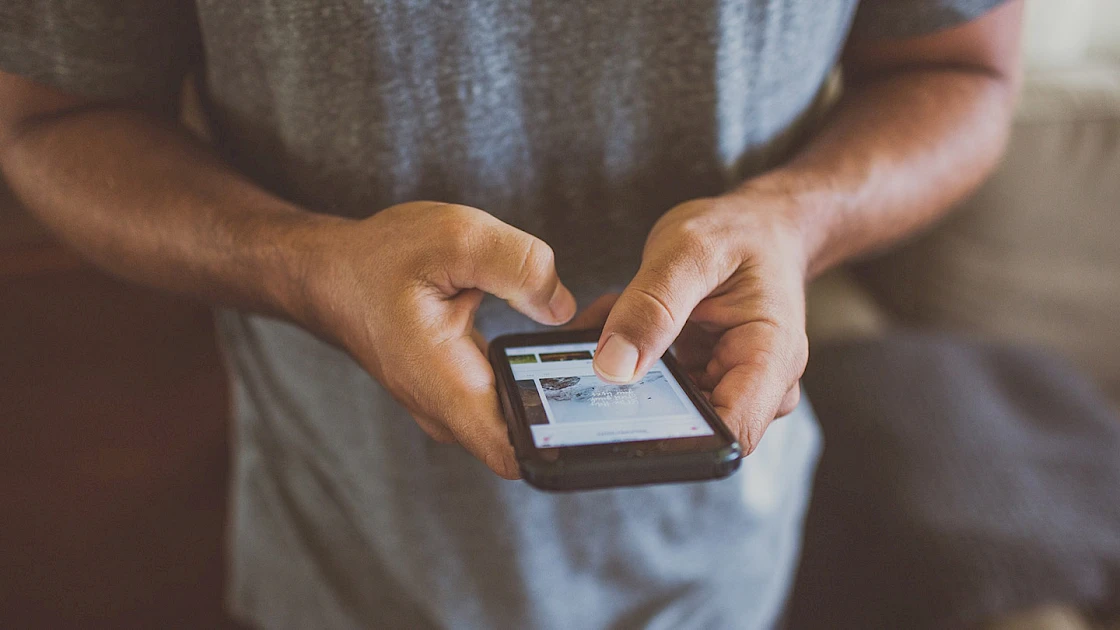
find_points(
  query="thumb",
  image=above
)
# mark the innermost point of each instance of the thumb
(518, 268)
(648, 316)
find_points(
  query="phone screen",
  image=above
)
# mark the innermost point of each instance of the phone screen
(568, 405)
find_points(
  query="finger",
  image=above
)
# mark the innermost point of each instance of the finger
(649, 314)
(436, 431)
(700, 379)
(514, 266)
(789, 403)
(480, 341)
(452, 384)
(758, 365)
(693, 347)
(593, 316)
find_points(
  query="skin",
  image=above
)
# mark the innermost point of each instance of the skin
(923, 120)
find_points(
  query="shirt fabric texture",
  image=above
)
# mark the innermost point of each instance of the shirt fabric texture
(579, 122)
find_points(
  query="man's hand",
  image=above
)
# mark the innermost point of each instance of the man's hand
(399, 291)
(921, 122)
(727, 276)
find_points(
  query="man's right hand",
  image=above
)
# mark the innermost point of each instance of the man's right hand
(399, 291)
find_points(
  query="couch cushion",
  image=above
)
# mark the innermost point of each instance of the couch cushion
(839, 307)
(1034, 256)
(961, 481)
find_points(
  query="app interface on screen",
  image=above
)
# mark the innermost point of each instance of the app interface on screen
(567, 405)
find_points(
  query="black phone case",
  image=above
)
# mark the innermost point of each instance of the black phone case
(606, 471)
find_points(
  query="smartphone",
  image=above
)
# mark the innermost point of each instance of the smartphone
(572, 431)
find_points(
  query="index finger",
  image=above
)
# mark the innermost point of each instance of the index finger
(454, 385)
(754, 365)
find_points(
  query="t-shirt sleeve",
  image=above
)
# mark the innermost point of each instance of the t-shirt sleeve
(898, 19)
(104, 49)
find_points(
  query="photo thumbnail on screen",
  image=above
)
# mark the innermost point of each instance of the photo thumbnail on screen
(589, 399)
(572, 355)
(531, 401)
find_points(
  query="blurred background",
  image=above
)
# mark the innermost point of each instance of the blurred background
(113, 406)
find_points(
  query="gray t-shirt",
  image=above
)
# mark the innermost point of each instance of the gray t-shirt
(580, 122)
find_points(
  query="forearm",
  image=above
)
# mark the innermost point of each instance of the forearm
(898, 152)
(143, 200)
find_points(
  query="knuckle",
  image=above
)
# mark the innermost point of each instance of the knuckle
(746, 431)
(432, 429)
(702, 238)
(790, 402)
(694, 235)
(724, 356)
(654, 307)
(475, 389)
(458, 240)
(457, 227)
(773, 348)
(396, 388)
(467, 433)
(457, 214)
(748, 440)
(750, 434)
(497, 461)
(752, 360)
(797, 343)
(442, 436)
(396, 385)
(537, 263)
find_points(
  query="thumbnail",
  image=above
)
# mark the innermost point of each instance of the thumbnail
(588, 399)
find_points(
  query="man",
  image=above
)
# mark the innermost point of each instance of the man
(388, 179)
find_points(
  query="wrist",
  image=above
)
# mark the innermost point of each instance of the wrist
(305, 271)
(808, 207)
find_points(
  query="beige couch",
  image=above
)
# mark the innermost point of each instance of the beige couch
(1032, 258)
